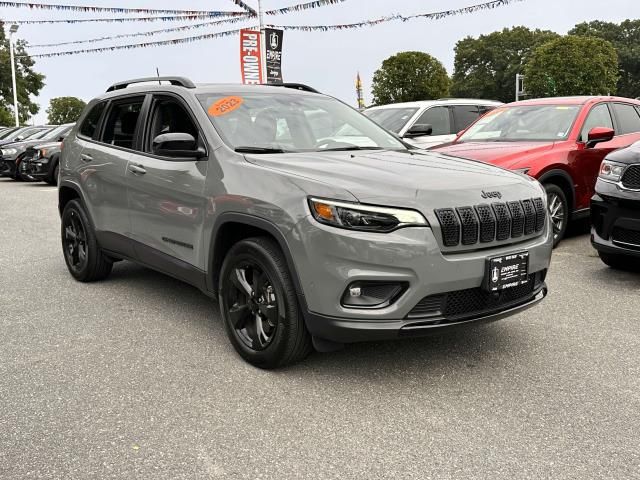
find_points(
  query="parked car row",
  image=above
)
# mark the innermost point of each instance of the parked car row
(32, 153)
(561, 142)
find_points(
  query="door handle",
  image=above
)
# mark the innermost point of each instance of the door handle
(137, 169)
(85, 157)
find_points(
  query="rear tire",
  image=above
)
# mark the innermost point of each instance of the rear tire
(558, 211)
(620, 262)
(259, 305)
(82, 254)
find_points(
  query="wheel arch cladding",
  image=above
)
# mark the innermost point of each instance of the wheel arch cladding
(66, 193)
(563, 180)
(230, 229)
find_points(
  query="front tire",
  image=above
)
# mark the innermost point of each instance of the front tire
(558, 211)
(53, 179)
(82, 254)
(259, 306)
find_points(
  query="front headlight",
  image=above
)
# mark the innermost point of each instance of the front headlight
(9, 151)
(611, 171)
(366, 218)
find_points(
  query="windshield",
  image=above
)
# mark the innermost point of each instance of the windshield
(393, 119)
(39, 134)
(522, 123)
(260, 123)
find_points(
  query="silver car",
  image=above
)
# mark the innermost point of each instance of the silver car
(256, 195)
(430, 123)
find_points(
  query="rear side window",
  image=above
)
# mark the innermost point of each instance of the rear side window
(599, 116)
(438, 118)
(90, 123)
(465, 115)
(628, 118)
(120, 127)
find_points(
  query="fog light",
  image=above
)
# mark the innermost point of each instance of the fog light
(355, 291)
(365, 294)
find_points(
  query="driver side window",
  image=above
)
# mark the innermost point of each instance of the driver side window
(599, 116)
(439, 118)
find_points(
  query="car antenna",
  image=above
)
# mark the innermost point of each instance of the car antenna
(158, 73)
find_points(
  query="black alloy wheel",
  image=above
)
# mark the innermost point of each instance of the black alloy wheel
(75, 242)
(252, 305)
(82, 254)
(259, 305)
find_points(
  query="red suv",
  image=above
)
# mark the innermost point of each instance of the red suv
(559, 141)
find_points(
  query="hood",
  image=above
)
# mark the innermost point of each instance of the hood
(627, 155)
(24, 144)
(420, 180)
(503, 154)
(45, 144)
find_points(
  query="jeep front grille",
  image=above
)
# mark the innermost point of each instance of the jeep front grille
(631, 177)
(486, 223)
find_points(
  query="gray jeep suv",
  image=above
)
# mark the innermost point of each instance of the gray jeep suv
(311, 225)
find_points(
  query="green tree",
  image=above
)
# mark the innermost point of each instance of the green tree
(64, 110)
(410, 76)
(486, 67)
(625, 37)
(28, 82)
(572, 65)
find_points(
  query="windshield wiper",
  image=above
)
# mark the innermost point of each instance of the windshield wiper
(349, 148)
(259, 150)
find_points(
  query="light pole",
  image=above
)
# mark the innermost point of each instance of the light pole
(13, 29)
(263, 47)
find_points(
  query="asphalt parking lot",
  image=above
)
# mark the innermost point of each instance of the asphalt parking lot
(134, 378)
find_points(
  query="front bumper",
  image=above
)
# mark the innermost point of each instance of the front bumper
(328, 260)
(35, 168)
(615, 219)
(7, 167)
(342, 330)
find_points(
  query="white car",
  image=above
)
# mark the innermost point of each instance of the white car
(430, 123)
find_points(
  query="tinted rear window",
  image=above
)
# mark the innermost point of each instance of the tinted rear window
(628, 118)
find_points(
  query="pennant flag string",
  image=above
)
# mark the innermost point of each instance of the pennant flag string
(146, 34)
(168, 18)
(175, 41)
(428, 16)
(95, 9)
(302, 6)
(245, 7)
(367, 23)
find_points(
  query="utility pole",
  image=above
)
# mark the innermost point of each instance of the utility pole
(13, 29)
(263, 46)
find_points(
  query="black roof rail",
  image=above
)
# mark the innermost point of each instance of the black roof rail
(295, 86)
(178, 81)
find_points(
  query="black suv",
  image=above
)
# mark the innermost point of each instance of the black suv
(615, 209)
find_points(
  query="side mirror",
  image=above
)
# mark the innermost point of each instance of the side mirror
(598, 135)
(19, 138)
(177, 145)
(419, 130)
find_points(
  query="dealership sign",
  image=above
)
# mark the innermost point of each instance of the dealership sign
(273, 48)
(250, 57)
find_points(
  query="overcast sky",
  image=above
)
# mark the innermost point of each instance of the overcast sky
(327, 60)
